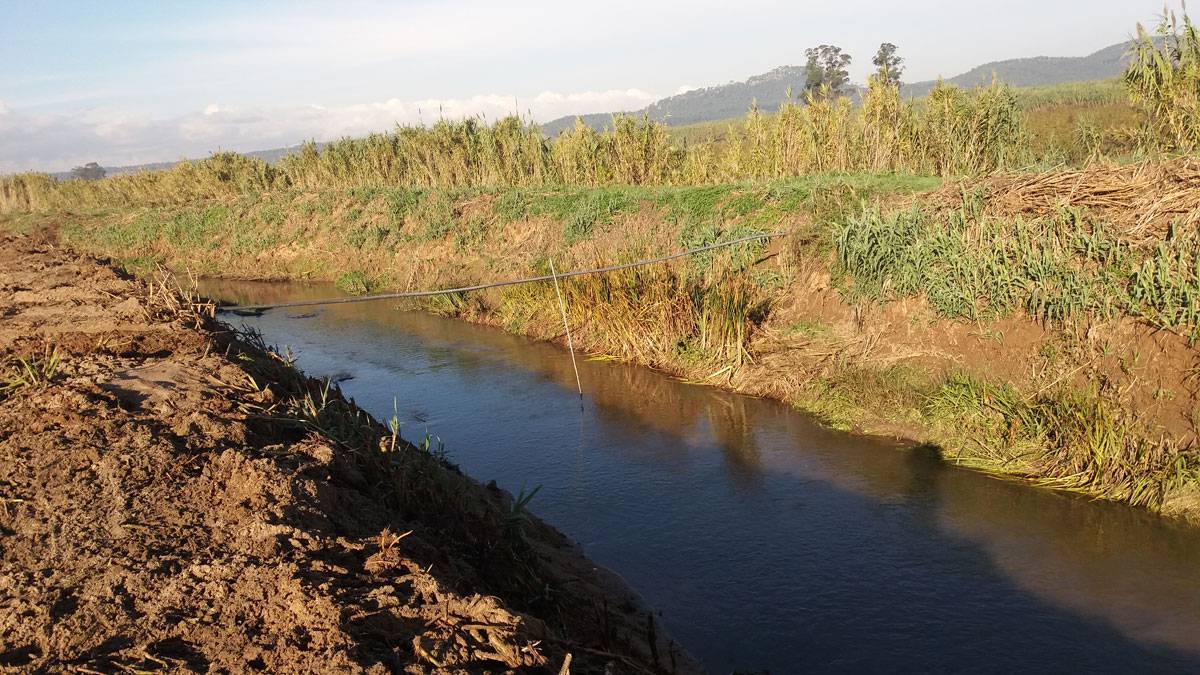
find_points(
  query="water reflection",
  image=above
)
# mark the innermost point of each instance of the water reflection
(768, 541)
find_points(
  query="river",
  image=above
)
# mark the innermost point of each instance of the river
(767, 541)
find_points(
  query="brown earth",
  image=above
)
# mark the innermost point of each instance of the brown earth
(175, 498)
(1152, 373)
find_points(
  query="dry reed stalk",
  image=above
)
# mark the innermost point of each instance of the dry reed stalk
(1141, 201)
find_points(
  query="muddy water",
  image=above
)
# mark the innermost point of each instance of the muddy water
(766, 541)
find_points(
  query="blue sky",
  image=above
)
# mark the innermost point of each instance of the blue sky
(132, 82)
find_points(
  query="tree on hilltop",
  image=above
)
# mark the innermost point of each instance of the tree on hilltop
(888, 66)
(826, 71)
(89, 171)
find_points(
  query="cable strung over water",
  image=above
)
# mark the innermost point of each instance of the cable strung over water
(497, 284)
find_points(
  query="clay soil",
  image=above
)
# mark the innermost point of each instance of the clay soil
(174, 497)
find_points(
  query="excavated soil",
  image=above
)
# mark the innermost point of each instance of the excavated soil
(174, 497)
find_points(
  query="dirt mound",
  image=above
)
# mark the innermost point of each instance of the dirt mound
(1141, 200)
(173, 497)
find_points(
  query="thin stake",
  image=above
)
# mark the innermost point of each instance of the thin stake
(562, 308)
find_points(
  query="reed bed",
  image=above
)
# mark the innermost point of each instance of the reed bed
(1163, 79)
(651, 316)
(958, 133)
(951, 132)
(222, 176)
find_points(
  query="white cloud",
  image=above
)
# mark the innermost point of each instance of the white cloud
(3, 108)
(58, 141)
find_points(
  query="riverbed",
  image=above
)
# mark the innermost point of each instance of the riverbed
(766, 540)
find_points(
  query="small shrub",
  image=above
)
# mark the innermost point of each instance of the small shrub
(355, 283)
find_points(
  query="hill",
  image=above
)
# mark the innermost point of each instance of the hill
(770, 89)
(1038, 70)
(709, 103)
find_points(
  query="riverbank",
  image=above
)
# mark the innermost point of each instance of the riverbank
(177, 497)
(1034, 325)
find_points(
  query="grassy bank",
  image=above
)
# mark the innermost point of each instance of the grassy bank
(1054, 345)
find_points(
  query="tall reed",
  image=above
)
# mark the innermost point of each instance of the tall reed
(955, 132)
(224, 175)
(1163, 79)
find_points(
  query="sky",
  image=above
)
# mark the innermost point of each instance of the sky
(134, 82)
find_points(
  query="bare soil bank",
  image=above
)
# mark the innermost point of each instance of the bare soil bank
(173, 497)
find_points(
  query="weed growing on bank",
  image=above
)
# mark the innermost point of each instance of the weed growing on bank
(976, 266)
(31, 372)
(1069, 439)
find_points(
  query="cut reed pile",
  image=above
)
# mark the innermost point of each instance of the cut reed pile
(1141, 202)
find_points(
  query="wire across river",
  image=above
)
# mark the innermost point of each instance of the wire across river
(497, 284)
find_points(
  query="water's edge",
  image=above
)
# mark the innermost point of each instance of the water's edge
(718, 470)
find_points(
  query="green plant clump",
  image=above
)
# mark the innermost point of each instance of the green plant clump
(355, 283)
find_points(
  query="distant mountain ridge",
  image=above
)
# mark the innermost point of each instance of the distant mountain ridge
(710, 103)
(770, 89)
(1039, 70)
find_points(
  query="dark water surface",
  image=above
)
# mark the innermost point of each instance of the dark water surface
(766, 541)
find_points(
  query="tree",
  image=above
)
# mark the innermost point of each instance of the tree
(826, 67)
(888, 66)
(89, 171)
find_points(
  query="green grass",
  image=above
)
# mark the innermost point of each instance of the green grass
(362, 236)
(597, 207)
(356, 283)
(1071, 438)
(845, 397)
(977, 267)
(436, 214)
(470, 234)
(401, 202)
(809, 328)
(1087, 93)
(327, 232)
(579, 209)
(1165, 289)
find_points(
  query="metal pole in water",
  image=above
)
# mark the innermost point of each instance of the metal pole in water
(562, 308)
